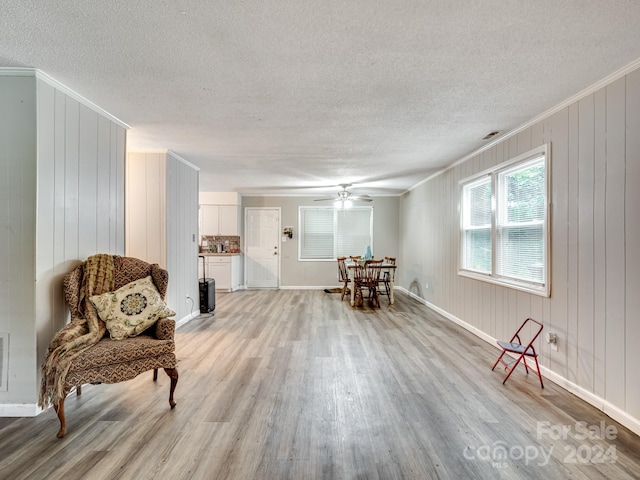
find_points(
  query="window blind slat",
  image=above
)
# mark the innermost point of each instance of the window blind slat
(326, 232)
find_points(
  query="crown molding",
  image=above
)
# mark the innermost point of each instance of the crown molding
(48, 79)
(546, 114)
(183, 160)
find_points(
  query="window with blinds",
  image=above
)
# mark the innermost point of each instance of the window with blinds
(477, 225)
(504, 224)
(327, 233)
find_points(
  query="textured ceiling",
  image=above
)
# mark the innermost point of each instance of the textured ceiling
(270, 96)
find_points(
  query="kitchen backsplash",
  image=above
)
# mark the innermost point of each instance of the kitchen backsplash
(219, 244)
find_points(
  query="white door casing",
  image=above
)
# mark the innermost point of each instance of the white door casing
(262, 247)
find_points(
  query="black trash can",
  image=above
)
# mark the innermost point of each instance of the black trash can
(207, 291)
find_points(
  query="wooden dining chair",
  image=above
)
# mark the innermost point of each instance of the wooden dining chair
(387, 276)
(344, 276)
(371, 281)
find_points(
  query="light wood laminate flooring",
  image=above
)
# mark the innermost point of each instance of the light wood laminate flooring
(297, 384)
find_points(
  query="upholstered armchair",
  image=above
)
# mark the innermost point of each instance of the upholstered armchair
(112, 361)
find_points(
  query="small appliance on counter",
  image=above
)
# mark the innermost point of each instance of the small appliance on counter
(207, 290)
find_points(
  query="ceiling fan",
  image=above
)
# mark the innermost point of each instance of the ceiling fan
(346, 196)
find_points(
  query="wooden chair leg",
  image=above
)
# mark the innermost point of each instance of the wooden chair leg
(79, 390)
(155, 374)
(63, 423)
(173, 374)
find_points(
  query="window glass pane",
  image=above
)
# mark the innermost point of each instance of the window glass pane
(520, 227)
(521, 253)
(480, 203)
(326, 232)
(316, 233)
(478, 250)
(353, 231)
(477, 226)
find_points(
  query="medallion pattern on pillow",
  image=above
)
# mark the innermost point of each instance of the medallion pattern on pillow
(131, 309)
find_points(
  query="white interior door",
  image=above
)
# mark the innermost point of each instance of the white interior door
(262, 247)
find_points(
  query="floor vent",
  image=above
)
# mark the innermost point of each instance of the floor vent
(4, 361)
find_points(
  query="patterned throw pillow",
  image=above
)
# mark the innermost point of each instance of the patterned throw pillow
(131, 309)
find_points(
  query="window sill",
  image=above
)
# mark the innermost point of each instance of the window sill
(535, 289)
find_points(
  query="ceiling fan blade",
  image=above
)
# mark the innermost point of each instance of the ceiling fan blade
(361, 198)
(324, 199)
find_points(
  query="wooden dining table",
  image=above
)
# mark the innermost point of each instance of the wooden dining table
(351, 266)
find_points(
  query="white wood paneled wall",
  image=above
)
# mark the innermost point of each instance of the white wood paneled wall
(595, 285)
(63, 199)
(18, 227)
(146, 214)
(162, 221)
(182, 236)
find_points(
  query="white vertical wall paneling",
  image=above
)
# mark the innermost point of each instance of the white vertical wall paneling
(545, 348)
(87, 182)
(113, 188)
(61, 263)
(17, 243)
(103, 206)
(599, 240)
(45, 221)
(154, 188)
(71, 213)
(137, 206)
(615, 253)
(572, 244)
(74, 184)
(632, 242)
(49, 176)
(182, 224)
(585, 272)
(162, 217)
(559, 227)
(120, 149)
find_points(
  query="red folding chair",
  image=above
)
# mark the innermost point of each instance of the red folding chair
(521, 350)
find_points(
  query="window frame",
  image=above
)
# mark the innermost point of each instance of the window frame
(538, 288)
(336, 212)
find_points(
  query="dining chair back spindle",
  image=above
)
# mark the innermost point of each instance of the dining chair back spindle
(371, 274)
(388, 276)
(343, 275)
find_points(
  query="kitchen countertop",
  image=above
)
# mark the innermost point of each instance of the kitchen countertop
(213, 254)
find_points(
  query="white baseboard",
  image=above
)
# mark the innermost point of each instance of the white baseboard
(187, 319)
(600, 403)
(20, 410)
(306, 287)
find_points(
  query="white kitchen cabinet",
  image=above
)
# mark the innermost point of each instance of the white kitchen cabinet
(225, 269)
(236, 272)
(219, 219)
(228, 220)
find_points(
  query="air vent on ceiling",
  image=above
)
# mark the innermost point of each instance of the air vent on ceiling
(490, 135)
(4, 361)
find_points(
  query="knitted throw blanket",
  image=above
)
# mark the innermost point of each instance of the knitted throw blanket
(78, 335)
